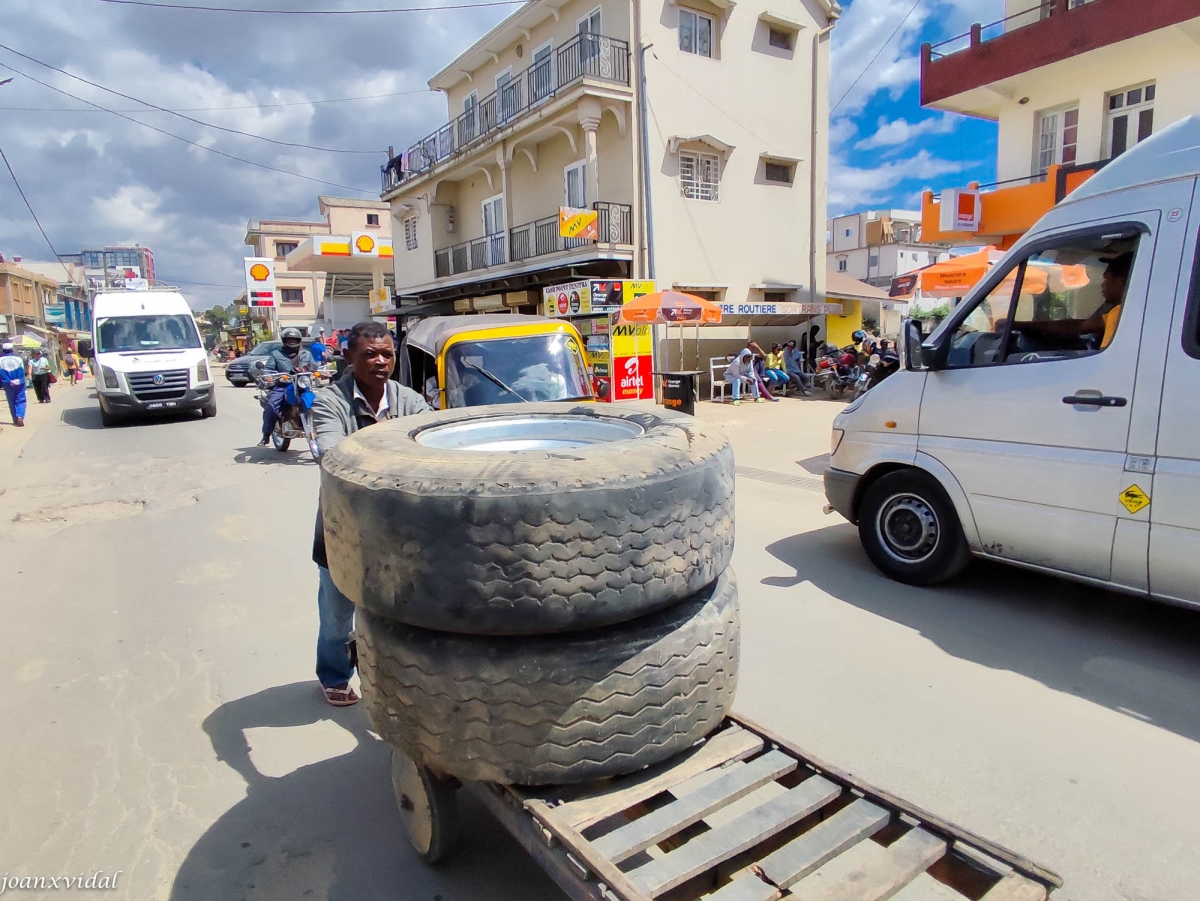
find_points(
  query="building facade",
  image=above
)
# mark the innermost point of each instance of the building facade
(874, 246)
(1072, 84)
(312, 298)
(24, 296)
(699, 175)
(110, 267)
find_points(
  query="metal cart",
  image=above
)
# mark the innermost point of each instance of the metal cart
(743, 816)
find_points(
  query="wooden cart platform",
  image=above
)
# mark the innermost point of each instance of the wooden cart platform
(747, 816)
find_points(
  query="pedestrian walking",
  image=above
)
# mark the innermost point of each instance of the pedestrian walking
(12, 379)
(70, 366)
(39, 369)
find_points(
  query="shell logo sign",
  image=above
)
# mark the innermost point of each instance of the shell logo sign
(260, 281)
(260, 272)
(364, 244)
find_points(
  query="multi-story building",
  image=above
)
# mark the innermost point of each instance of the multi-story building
(72, 308)
(24, 296)
(875, 246)
(109, 267)
(695, 130)
(313, 297)
(1072, 84)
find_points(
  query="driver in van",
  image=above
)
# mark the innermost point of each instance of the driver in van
(291, 357)
(1102, 324)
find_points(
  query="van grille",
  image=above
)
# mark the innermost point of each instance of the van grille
(172, 384)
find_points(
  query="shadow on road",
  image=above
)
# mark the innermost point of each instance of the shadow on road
(330, 830)
(1129, 654)
(296, 455)
(89, 418)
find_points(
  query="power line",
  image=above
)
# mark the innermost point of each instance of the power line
(171, 134)
(312, 12)
(213, 109)
(875, 57)
(28, 206)
(235, 131)
(182, 281)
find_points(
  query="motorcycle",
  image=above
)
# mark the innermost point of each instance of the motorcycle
(837, 370)
(300, 394)
(878, 368)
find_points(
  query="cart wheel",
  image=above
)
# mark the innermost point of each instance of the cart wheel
(427, 807)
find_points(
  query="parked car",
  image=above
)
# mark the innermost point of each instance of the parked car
(238, 370)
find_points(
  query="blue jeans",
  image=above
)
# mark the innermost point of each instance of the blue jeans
(737, 381)
(333, 642)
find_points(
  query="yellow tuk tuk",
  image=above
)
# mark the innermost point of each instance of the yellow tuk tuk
(494, 358)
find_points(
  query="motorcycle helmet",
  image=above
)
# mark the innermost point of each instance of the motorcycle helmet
(291, 338)
(858, 337)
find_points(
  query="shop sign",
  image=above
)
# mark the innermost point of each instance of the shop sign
(577, 223)
(607, 297)
(260, 281)
(381, 299)
(632, 363)
(781, 309)
(571, 299)
(634, 289)
(55, 313)
(960, 210)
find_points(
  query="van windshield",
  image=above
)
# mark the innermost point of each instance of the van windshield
(134, 333)
(540, 367)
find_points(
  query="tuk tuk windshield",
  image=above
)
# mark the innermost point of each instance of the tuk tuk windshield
(535, 368)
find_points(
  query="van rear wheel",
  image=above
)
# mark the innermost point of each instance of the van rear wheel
(910, 529)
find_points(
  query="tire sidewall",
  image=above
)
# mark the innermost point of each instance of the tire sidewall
(950, 553)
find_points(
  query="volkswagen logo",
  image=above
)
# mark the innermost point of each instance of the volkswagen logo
(158, 378)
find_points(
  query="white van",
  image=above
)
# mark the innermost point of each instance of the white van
(147, 355)
(1053, 420)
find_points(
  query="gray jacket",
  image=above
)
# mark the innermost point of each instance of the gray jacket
(338, 413)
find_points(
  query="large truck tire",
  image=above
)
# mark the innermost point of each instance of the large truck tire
(553, 709)
(447, 521)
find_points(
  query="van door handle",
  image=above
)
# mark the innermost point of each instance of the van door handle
(1094, 400)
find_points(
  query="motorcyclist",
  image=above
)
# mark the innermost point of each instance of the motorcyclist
(290, 357)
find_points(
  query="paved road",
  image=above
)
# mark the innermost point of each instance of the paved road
(161, 717)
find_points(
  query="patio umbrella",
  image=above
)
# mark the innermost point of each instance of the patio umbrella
(666, 307)
(26, 341)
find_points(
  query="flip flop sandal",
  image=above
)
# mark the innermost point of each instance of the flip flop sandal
(340, 696)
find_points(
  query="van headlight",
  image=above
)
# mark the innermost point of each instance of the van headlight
(110, 377)
(202, 371)
(835, 440)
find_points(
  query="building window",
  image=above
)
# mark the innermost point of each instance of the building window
(1058, 137)
(699, 176)
(848, 233)
(283, 248)
(372, 218)
(874, 261)
(778, 38)
(291, 295)
(695, 33)
(841, 264)
(1129, 119)
(410, 233)
(780, 173)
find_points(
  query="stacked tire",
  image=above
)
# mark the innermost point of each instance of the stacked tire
(543, 591)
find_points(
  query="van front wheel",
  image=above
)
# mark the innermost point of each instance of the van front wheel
(910, 530)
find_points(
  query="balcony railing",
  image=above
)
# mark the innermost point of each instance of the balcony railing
(1037, 12)
(614, 223)
(584, 56)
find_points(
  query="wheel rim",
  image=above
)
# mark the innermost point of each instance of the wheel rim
(277, 441)
(413, 802)
(908, 528)
(518, 433)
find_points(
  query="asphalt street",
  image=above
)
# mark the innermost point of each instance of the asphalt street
(161, 717)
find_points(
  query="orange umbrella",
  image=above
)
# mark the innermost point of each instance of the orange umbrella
(670, 306)
(958, 275)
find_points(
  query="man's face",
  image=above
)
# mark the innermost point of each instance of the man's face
(372, 360)
(1112, 286)
(291, 347)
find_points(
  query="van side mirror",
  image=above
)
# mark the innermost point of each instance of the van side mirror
(602, 389)
(911, 337)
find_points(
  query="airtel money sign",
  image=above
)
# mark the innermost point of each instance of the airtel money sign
(632, 363)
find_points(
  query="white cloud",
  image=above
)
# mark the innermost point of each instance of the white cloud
(899, 131)
(854, 188)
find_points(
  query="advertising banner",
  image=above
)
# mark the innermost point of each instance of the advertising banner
(632, 289)
(577, 223)
(260, 281)
(781, 309)
(56, 313)
(633, 362)
(571, 299)
(607, 297)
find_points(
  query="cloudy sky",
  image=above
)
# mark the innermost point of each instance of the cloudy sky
(95, 178)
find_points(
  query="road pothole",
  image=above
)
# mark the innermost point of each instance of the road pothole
(74, 514)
